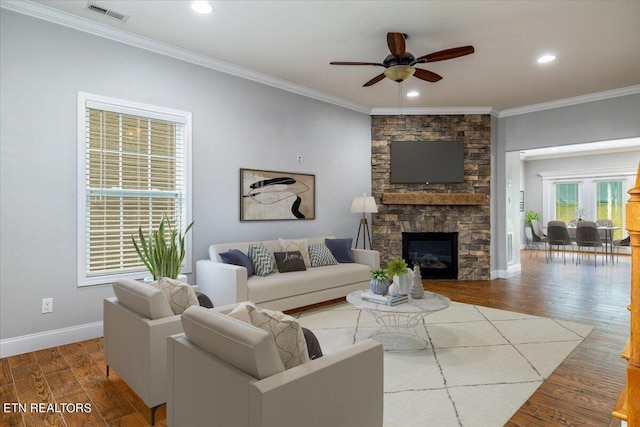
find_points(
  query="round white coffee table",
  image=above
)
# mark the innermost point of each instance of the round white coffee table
(397, 323)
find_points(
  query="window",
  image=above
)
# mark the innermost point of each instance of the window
(609, 204)
(134, 169)
(590, 195)
(567, 201)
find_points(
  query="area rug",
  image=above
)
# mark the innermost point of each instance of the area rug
(480, 367)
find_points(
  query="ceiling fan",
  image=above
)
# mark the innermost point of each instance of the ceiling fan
(400, 64)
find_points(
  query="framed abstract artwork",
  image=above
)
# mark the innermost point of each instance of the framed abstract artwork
(271, 195)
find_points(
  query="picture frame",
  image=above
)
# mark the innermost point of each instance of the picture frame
(276, 196)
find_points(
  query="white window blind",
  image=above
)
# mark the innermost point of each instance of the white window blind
(134, 167)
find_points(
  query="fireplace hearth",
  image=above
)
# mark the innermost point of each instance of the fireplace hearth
(436, 253)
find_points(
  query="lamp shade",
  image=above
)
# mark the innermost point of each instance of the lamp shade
(364, 204)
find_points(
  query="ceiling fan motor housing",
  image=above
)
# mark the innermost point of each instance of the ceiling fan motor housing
(406, 59)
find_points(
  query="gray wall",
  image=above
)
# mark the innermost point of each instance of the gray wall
(236, 124)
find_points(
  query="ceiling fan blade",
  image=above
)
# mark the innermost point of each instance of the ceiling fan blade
(356, 63)
(448, 54)
(427, 75)
(396, 44)
(374, 80)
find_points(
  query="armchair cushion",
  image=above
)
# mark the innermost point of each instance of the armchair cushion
(145, 300)
(286, 332)
(179, 294)
(239, 344)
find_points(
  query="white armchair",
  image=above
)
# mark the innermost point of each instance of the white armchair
(137, 323)
(226, 372)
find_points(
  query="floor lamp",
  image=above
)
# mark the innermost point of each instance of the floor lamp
(364, 204)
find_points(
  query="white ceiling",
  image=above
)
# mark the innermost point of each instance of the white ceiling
(290, 44)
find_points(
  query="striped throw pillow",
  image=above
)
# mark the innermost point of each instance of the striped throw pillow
(261, 259)
(320, 255)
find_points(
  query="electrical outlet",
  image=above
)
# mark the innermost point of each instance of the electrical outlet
(47, 305)
(300, 159)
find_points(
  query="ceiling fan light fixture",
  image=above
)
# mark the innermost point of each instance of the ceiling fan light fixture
(413, 94)
(399, 73)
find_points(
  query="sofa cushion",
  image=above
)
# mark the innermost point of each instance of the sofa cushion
(238, 343)
(145, 300)
(261, 258)
(300, 245)
(289, 261)
(179, 294)
(239, 258)
(320, 255)
(286, 331)
(280, 285)
(341, 249)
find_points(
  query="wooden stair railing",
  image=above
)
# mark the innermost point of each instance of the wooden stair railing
(628, 406)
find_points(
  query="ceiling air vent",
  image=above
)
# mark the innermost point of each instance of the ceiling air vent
(110, 13)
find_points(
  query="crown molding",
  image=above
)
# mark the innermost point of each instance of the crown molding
(46, 13)
(39, 11)
(597, 96)
(431, 111)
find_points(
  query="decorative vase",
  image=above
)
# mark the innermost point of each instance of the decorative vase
(394, 289)
(403, 281)
(379, 286)
(416, 291)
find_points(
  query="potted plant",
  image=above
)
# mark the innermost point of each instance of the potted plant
(397, 268)
(529, 216)
(379, 283)
(163, 251)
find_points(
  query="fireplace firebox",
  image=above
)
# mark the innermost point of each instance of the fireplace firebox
(436, 253)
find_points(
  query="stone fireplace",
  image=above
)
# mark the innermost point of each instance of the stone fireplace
(435, 253)
(462, 208)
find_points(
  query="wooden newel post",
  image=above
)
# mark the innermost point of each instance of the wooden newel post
(633, 368)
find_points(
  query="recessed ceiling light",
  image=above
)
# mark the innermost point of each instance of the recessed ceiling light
(546, 58)
(413, 94)
(202, 7)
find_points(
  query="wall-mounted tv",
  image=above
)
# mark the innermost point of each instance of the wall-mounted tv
(423, 162)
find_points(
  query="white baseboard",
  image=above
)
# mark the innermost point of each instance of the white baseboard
(499, 274)
(48, 339)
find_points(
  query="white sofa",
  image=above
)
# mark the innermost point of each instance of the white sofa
(227, 284)
(225, 372)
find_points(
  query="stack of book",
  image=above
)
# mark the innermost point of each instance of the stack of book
(384, 299)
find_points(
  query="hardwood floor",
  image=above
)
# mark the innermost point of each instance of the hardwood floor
(581, 392)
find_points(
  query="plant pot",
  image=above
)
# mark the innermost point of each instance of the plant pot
(181, 278)
(379, 286)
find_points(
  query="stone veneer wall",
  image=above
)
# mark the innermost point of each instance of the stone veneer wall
(471, 222)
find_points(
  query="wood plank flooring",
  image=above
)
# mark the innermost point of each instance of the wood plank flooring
(581, 392)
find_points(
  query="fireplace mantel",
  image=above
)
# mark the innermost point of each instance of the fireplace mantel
(462, 199)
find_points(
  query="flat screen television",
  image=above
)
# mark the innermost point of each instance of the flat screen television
(427, 162)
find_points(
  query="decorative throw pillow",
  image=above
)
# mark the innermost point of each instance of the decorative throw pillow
(296, 245)
(320, 255)
(289, 261)
(341, 249)
(237, 257)
(179, 294)
(261, 259)
(285, 330)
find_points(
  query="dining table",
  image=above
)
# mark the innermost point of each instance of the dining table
(608, 243)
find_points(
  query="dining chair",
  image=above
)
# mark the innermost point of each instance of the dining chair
(605, 235)
(587, 235)
(618, 243)
(558, 235)
(538, 237)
